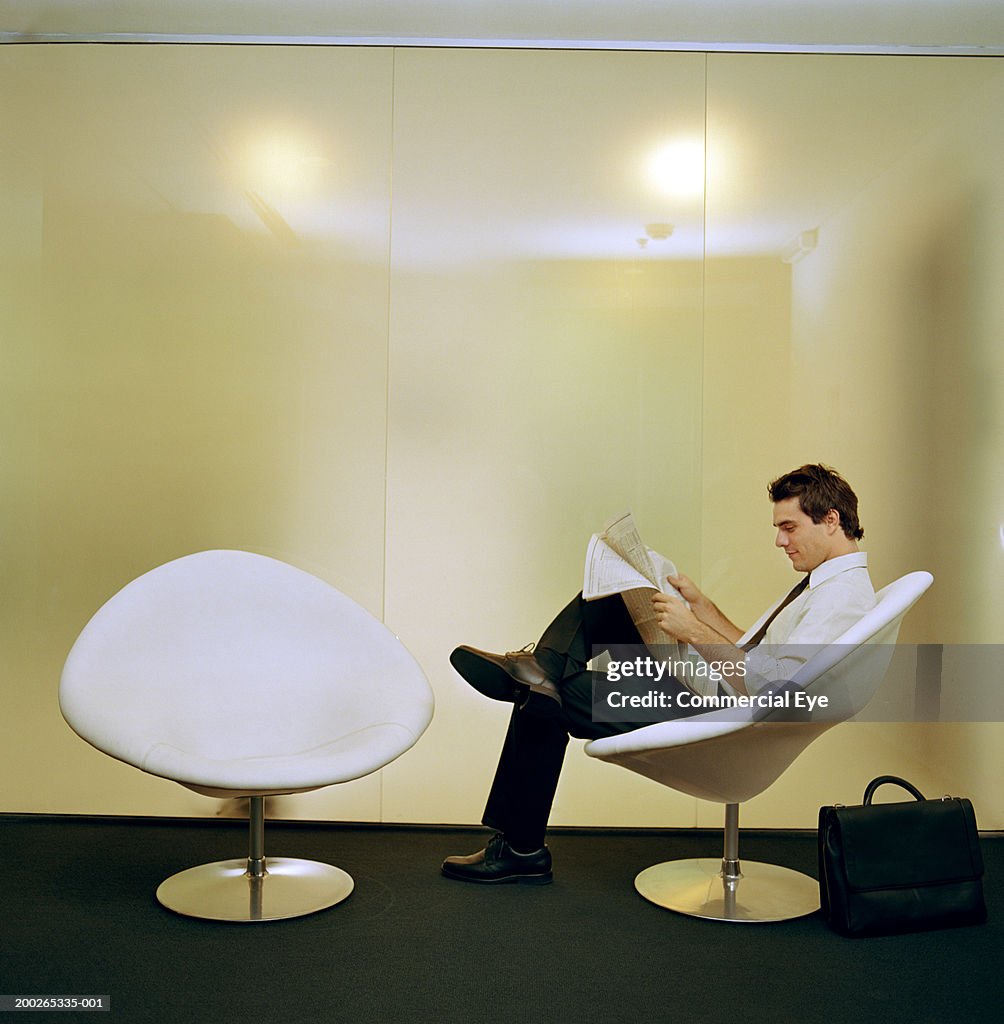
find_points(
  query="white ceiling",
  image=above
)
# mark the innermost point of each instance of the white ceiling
(956, 26)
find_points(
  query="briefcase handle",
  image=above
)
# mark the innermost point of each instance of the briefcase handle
(896, 780)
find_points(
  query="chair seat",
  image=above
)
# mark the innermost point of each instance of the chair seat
(732, 754)
(234, 671)
(344, 759)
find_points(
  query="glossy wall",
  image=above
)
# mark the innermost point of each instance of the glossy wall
(418, 321)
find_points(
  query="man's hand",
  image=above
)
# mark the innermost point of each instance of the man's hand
(714, 640)
(673, 616)
(703, 609)
(688, 589)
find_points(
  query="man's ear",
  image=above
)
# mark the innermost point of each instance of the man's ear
(832, 519)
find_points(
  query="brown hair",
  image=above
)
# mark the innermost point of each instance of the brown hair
(818, 489)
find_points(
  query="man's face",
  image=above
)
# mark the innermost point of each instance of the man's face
(806, 543)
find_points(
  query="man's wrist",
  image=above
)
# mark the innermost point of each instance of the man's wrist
(703, 610)
(702, 633)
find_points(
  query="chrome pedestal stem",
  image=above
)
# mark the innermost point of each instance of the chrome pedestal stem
(730, 855)
(256, 837)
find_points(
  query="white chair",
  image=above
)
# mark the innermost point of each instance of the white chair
(237, 675)
(729, 756)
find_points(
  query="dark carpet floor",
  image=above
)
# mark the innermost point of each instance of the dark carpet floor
(79, 917)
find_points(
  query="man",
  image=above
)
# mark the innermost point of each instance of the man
(816, 518)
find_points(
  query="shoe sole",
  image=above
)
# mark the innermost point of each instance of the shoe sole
(493, 681)
(488, 679)
(544, 879)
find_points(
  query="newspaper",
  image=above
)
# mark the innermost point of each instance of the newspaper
(617, 560)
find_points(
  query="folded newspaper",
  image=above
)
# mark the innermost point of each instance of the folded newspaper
(617, 560)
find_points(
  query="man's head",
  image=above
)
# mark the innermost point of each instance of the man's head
(816, 515)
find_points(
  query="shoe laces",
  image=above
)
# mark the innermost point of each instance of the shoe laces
(527, 649)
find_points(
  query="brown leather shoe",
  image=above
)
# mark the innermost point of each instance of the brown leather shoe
(499, 862)
(514, 677)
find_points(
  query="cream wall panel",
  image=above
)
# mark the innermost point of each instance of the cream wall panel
(195, 352)
(544, 373)
(897, 311)
(883, 359)
(922, 254)
(897, 376)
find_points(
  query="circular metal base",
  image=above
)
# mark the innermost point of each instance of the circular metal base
(764, 892)
(224, 891)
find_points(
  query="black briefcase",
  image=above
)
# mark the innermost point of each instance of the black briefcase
(900, 867)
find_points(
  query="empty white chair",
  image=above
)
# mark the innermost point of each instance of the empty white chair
(237, 675)
(731, 755)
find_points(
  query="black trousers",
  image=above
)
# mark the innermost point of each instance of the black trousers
(529, 767)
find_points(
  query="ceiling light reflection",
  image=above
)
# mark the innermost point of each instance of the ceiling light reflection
(282, 165)
(677, 168)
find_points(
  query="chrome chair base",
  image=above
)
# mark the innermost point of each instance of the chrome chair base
(700, 888)
(228, 890)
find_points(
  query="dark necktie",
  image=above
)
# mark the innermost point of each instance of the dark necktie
(762, 631)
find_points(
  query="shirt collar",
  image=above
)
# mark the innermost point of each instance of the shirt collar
(834, 566)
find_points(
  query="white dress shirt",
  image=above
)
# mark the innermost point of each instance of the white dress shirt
(839, 593)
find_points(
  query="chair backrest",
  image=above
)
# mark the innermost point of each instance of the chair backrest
(238, 666)
(731, 756)
(849, 670)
